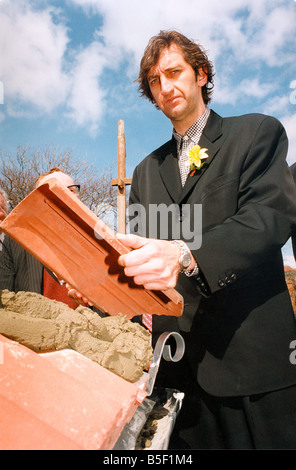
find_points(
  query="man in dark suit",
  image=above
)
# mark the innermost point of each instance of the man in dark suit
(20, 271)
(238, 322)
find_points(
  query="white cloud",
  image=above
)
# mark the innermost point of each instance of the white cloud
(225, 92)
(248, 27)
(87, 99)
(32, 51)
(237, 33)
(277, 105)
(39, 67)
(277, 35)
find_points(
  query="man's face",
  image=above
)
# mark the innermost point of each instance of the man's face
(3, 213)
(176, 89)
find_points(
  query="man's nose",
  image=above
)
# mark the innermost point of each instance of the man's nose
(166, 85)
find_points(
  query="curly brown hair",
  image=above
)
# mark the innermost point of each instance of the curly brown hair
(192, 53)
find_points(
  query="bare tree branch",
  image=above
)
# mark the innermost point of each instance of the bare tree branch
(19, 173)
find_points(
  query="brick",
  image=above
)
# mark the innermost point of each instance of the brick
(61, 400)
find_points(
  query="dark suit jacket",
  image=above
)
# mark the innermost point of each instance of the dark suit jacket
(19, 270)
(293, 170)
(239, 311)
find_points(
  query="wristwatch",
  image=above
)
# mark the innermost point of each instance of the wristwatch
(185, 256)
(185, 259)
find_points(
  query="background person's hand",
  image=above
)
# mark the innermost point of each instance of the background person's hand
(77, 296)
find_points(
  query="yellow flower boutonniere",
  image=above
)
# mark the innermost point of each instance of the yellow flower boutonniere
(196, 155)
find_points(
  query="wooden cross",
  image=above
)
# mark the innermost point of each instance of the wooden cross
(121, 182)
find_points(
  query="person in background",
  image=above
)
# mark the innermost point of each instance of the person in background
(3, 212)
(20, 271)
(238, 322)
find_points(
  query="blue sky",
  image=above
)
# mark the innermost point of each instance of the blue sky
(67, 70)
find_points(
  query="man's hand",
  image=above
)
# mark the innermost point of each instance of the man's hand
(152, 263)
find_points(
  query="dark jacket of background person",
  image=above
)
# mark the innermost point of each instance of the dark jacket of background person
(19, 270)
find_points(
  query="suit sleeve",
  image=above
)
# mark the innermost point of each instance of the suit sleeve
(266, 213)
(133, 196)
(6, 266)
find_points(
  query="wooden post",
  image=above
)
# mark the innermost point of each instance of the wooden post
(121, 182)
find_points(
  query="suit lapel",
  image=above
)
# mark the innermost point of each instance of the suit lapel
(169, 168)
(210, 140)
(170, 173)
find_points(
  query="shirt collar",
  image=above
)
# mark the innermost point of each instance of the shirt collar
(195, 131)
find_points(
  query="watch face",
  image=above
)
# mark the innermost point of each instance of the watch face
(186, 260)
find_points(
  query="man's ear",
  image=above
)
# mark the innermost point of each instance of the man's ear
(202, 77)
